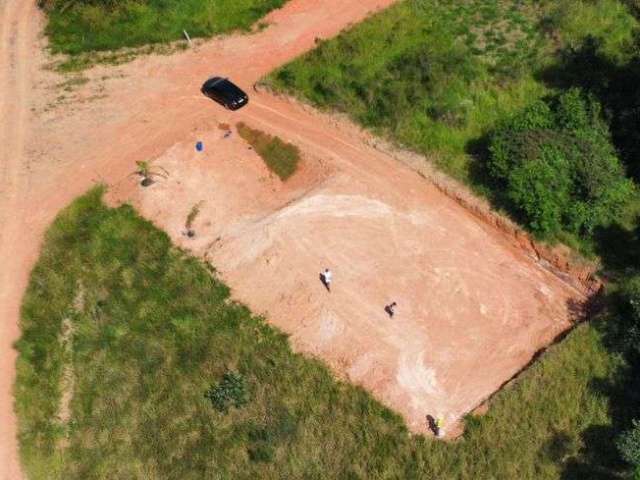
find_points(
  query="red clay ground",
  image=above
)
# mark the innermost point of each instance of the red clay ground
(472, 308)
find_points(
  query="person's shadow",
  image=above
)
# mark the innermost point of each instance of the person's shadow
(324, 282)
(431, 423)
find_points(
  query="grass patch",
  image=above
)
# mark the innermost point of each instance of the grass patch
(82, 26)
(282, 158)
(113, 33)
(156, 337)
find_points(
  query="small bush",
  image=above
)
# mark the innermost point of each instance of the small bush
(231, 391)
(281, 158)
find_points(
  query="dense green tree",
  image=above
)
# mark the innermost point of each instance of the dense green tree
(557, 166)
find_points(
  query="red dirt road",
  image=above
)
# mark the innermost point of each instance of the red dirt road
(472, 309)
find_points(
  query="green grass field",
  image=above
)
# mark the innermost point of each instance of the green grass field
(437, 76)
(88, 26)
(124, 336)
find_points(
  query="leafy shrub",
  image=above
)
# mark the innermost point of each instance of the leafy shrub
(231, 391)
(629, 444)
(558, 167)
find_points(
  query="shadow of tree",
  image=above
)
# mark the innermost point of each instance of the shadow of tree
(597, 456)
(618, 248)
(613, 83)
(598, 459)
(484, 183)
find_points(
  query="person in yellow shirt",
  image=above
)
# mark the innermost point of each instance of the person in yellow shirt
(439, 427)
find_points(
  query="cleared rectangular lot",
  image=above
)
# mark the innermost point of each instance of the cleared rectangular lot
(472, 309)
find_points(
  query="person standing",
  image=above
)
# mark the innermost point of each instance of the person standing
(390, 309)
(326, 278)
(439, 430)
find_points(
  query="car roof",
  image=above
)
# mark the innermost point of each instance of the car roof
(224, 86)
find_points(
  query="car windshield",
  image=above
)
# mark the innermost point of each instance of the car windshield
(229, 88)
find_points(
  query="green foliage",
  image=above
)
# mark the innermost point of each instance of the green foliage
(629, 444)
(438, 76)
(558, 167)
(280, 157)
(231, 391)
(146, 171)
(86, 26)
(628, 314)
(154, 325)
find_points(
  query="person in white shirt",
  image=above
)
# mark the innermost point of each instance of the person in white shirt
(325, 277)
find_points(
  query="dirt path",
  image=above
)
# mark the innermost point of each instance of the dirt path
(19, 61)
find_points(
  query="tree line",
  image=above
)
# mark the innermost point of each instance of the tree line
(571, 163)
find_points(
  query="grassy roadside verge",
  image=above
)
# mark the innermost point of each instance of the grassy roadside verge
(153, 330)
(85, 26)
(438, 76)
(111, 32)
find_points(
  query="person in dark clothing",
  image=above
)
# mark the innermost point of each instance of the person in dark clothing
(390, 309)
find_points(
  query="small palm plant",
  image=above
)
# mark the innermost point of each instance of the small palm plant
(145, 171)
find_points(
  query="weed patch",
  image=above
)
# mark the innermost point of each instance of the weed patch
(282, 158)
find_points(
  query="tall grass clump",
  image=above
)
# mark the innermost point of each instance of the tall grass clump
(156, 340)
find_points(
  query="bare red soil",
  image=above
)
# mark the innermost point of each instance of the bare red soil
(473, 307)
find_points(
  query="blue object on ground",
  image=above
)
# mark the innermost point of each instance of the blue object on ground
(199, 146)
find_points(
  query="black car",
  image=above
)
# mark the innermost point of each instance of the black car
(226, 93)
